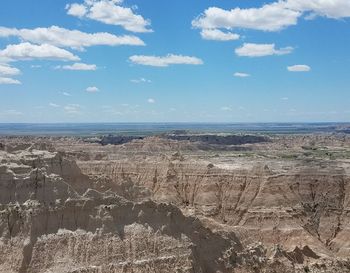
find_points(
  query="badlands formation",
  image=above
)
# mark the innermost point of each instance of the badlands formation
(175, 203)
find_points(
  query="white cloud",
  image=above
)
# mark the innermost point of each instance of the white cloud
(110, 12)
(72, 109)
(241, 75)
(270, 17)
(78, 66)
(218, 35)
(5, 80)
(92, 89)
(285, 98)
(62, 37)
(27, 51)
(260, 50)
(66, 94)
(53, 105)
(273, 16)
(76, 10)
(141, 80)
(12, 112)
(150, 100)
(299, 68)
(165, 61)
(5, 69)
(328, 8)
(226, 108)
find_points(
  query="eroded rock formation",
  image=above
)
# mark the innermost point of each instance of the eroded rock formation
(164, 205)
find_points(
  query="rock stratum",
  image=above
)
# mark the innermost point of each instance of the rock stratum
(175, 204)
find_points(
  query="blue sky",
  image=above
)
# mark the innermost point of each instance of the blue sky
(168, 61)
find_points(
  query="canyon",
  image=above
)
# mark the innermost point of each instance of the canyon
(175, 202)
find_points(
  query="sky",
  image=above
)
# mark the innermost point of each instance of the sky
(174, 61)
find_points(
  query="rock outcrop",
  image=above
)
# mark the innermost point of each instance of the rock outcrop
(47, 226)
(160, 205)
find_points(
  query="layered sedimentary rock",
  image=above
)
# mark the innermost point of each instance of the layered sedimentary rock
(308, 205)
(47, 226)
(164, 205)
(278, 200)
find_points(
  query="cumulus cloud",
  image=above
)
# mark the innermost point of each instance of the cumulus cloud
(218, 35)
(5, 69)
(335, 9)
(270, 17)
(76, 10)
(27, 51)
(62, 37)
(165, 61)
(92, 89)
(260, 50)
(150, 100)
(299, 68)
(5, 80)
(273, 16)
(110, 12)
(140, 80)
(241, 75)
(78, 66)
